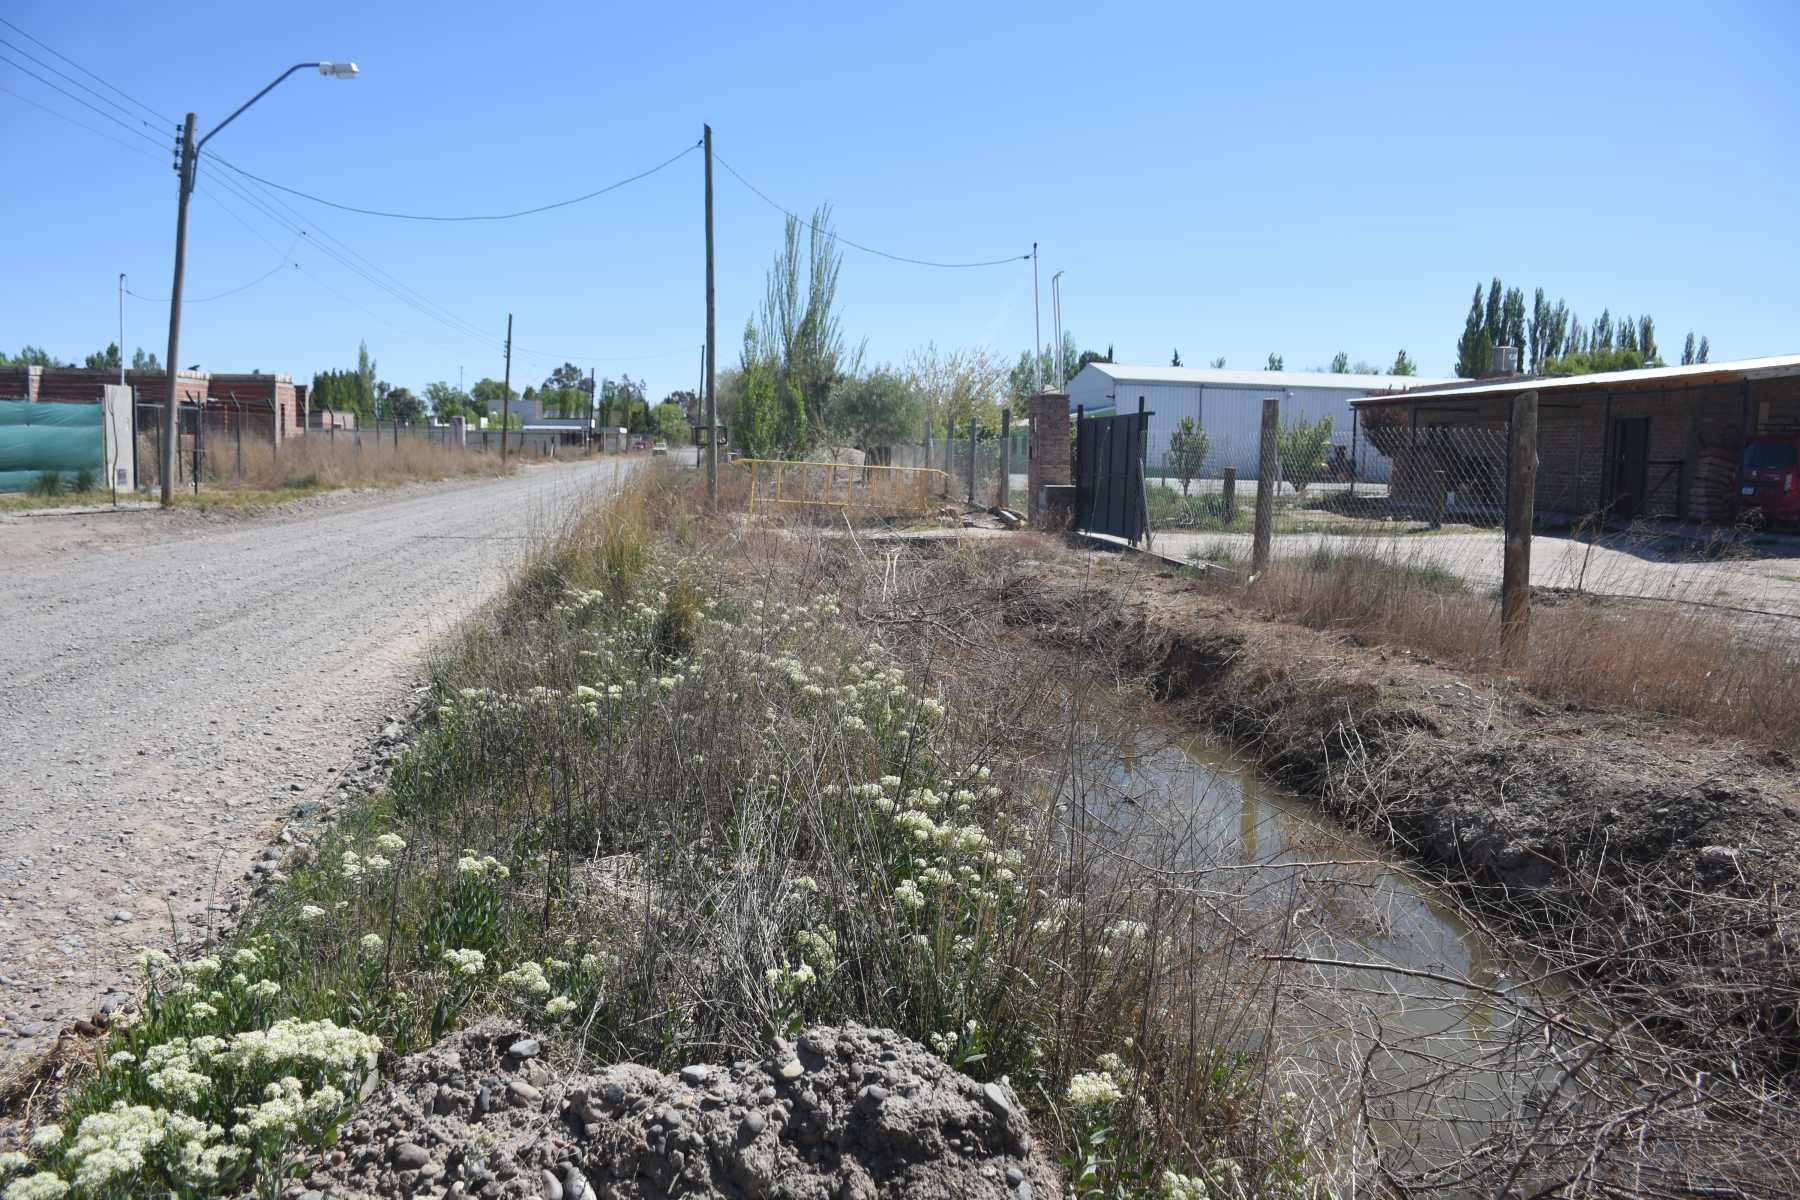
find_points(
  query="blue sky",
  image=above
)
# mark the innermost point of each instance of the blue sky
(1227, 180)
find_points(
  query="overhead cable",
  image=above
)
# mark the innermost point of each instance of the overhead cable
(835, 236)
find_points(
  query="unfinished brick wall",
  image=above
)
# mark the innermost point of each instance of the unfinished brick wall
(1049, 446)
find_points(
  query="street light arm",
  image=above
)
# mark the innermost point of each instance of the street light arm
(252, 100)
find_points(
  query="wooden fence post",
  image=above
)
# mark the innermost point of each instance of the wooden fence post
(972, 458)
(1228, 491)
(1521, 495)
(1268, 481)
(949, 449)
(1005, 458)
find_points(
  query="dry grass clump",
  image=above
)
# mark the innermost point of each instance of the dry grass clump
(1738, 675)
(319, 462)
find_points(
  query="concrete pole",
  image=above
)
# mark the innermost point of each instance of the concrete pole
(171, 423)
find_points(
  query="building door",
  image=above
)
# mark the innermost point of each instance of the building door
(1630, 466)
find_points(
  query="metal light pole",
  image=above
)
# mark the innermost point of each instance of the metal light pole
(1062, 367)
(121, 329)
(190, 154)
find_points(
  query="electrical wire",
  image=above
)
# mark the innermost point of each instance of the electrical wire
(506, 216)
(229, 292)
(87, 104)
(917, 262)
(67, 78)
(92, 75)
(99, 133)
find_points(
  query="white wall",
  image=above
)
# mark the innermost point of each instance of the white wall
(1229, 414)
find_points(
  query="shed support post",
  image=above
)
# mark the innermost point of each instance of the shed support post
(1521, 495)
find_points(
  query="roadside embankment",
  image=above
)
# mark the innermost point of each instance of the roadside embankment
(1651, 860)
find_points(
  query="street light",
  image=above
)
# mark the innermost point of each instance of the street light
(190, 155)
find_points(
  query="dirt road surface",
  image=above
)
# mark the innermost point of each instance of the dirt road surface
(173, 685)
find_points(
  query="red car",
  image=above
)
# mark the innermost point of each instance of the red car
(1769, 483)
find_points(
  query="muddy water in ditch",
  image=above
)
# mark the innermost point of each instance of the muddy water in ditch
(1429, 1045)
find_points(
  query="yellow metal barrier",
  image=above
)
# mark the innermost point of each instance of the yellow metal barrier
(843, 485)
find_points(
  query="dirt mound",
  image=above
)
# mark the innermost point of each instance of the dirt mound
(843, 1111)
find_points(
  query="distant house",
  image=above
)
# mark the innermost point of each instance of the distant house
(1227, 406)
(1662, 442)
(259, 403)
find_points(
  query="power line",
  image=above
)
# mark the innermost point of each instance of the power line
(507, 216)
(67, 78)
(917, 262)
(92, 75)
(87, 104)
(100, 133)
(229, 292)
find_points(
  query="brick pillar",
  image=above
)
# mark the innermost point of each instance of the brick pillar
(1048, 457)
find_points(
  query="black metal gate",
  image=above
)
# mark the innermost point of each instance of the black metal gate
(1109, 475)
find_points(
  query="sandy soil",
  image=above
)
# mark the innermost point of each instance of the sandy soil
(176, 684)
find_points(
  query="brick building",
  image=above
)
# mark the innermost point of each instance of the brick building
(1663, 442)
(265, 405)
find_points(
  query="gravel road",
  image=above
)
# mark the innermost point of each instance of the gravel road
(171, 686)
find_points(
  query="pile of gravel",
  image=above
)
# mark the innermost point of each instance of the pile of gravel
(842, 1112)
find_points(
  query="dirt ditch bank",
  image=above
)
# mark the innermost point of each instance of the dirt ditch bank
(1656, 863)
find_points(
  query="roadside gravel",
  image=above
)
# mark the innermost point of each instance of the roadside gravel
(172, 686)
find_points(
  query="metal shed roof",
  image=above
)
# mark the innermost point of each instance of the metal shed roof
(1221, 377)
(1647, 378)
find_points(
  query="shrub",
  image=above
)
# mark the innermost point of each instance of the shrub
(48, 483)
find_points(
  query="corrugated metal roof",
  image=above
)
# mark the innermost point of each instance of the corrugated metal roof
(1221, 377)
(1743, 368)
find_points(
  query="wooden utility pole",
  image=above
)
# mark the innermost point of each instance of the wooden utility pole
(506, 391)
(1268, 480)
(1228, 496)
(1521, 498)
(712, 398)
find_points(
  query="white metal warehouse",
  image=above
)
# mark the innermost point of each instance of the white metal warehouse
(1227, 406)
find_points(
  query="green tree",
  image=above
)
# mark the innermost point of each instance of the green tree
(491, 398)
(1512, 321)
(1403, 365)
(1023, 378)
(104, 360)
(1302, 445)
(1705, 349)
(144, 361)
(1175, 358)
(1687, 350)
(403, 406)
(1494, 315)
(671, 423)
(1218, 364)
(799, 327)
(1088, 356)
(1587, 362)
(448, 401)
(1340, 363)
(1647, 340)
(365, 379)
(880, 409)
(1274, 363)
(32, 356)
(1475, 349)
(1188, 447)
(957, 385)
